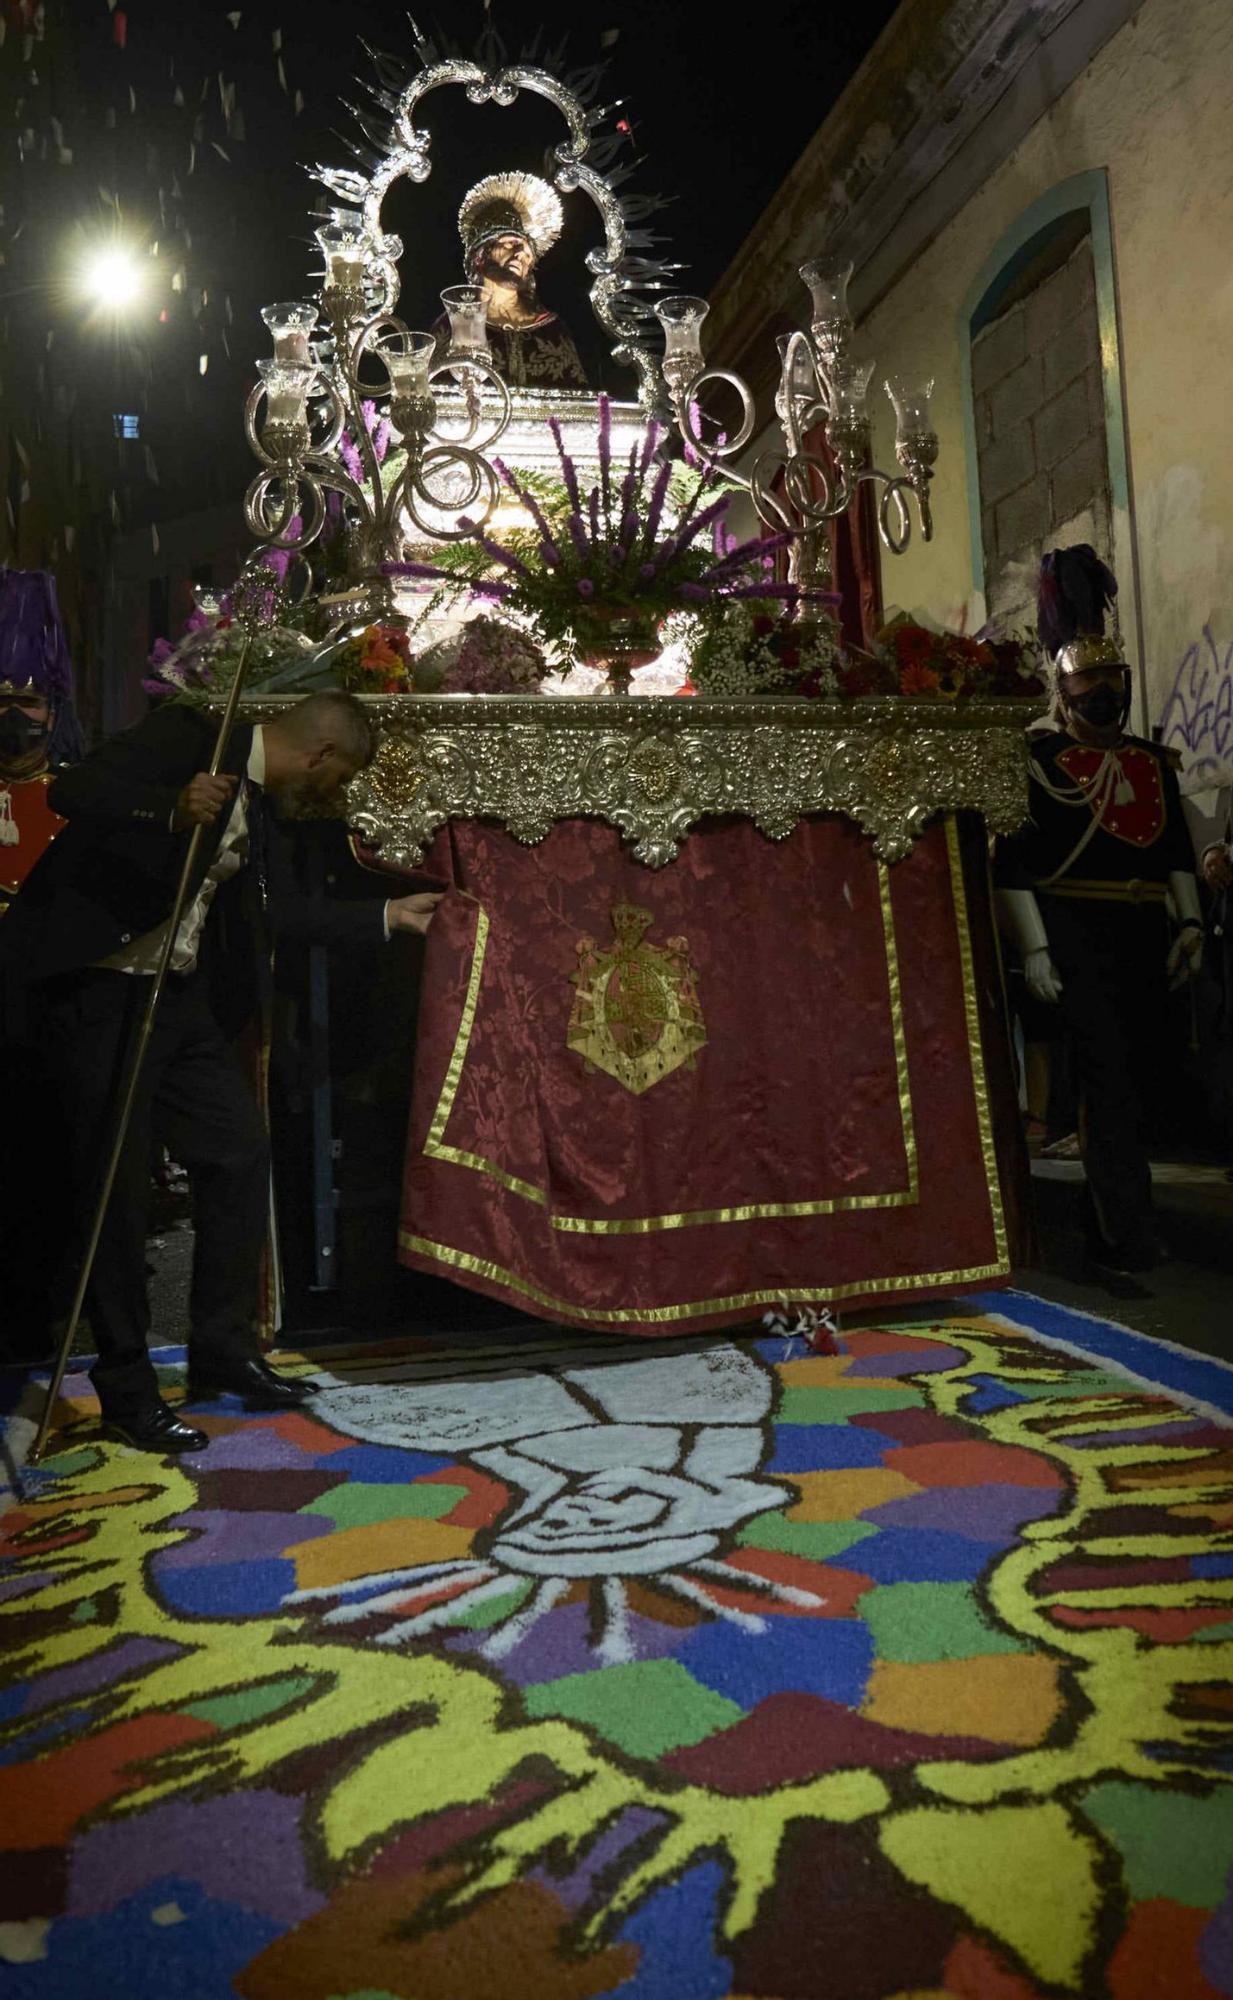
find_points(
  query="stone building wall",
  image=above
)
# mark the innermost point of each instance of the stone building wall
(1040, 432)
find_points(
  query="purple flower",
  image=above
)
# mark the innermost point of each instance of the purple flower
(568, 469)
(646, 573)
(198, 620)
(593, 510)
(605, 456)
(504, 556)
(412, 569)
(279, 560)
(696, 592)
(585, 587)
(685, 536)
(549, 547)
(577, 535)
(650, 444)
(160, 652)
(349, 452)
(658, 495)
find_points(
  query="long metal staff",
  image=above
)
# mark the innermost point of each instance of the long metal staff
(136, 1064)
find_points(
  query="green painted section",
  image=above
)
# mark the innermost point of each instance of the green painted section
(354, 1505)
(232, 1711)
(493, 1610)
(816, 1540)
(646, 1708)
(914, 1622)
(1172, 1844)
(836, 1405)
(67, 1464)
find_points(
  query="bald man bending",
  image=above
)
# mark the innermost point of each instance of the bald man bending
(85, 938)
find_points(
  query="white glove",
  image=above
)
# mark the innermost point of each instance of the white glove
(1020, 920)
(1186, 952)
(1041, 975)
(1185, 955)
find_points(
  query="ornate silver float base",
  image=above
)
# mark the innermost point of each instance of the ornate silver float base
(656, 767)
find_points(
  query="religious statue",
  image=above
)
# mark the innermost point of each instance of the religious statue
(507, 222)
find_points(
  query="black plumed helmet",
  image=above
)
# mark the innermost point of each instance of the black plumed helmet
(1074, 593)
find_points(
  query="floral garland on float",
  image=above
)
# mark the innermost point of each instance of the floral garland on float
(598, 573)
(928, 663)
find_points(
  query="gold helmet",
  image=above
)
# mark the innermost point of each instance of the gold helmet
(511, 205)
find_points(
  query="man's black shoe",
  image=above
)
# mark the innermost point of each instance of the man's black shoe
(155, 1429)
(254, 1380)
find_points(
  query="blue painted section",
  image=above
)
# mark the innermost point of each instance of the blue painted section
(1195, 1377)
(676, 1933)
(833, 1658)
(828, 1447)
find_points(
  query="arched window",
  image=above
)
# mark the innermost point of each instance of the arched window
(1046, 444)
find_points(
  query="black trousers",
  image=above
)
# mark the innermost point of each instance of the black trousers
(1111, 957)
(33, 1205)
(194, 1099)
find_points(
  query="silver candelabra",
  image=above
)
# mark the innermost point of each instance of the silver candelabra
(822, 390)
(440, 483)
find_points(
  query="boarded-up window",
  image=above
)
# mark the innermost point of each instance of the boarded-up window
(1039, 408)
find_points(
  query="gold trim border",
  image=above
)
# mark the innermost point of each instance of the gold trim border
(435, 1147)
(976, 1053)
(461, 1260)
(825, 1288)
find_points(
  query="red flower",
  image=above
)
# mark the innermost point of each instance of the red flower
(918, 679)
(912, 644)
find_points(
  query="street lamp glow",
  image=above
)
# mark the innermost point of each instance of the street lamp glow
(112, 277)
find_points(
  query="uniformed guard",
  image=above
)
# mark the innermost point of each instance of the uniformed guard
(39, 735)
(1099, 894)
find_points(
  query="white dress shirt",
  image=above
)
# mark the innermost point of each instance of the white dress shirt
(142, 955)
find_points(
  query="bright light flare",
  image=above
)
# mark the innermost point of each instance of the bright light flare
(113, 278)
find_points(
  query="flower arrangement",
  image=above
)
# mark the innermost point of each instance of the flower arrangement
(752, 651)
(201, 666)
(953, 666)
(613, 553)
(493, 657)
(375, 661)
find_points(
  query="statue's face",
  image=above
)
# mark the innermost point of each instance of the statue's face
(510, 257)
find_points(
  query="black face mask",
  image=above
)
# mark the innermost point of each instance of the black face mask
(19, 734)
(1101, 707)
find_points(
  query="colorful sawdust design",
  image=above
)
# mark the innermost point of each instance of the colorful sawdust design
(675, 1671)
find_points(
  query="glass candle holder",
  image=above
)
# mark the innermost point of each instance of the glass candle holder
(468, 324)
(287, 385)
(848, 424)
(346, 249)
(850, 383)
(828, 279)
(290, 326)
(681, 320)
(413, 407)
(910, 399)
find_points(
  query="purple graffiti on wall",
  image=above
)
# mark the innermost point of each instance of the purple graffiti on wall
(1198, 716)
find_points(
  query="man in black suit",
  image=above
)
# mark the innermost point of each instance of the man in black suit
(85, 938)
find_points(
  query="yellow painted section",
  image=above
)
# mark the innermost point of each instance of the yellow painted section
(1004, 1698)
(397, 1544)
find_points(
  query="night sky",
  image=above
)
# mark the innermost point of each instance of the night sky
(187, 124)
